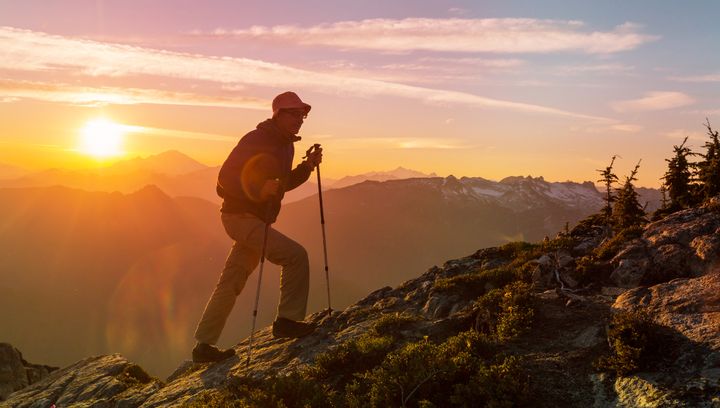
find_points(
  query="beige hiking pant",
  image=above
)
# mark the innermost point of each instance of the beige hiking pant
(248, 232)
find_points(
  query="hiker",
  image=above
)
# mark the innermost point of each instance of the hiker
(252, 182)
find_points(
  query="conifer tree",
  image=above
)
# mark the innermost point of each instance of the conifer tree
(664, 204)
(708, 170)
(608, 178)
(627, 211)
(678, 177)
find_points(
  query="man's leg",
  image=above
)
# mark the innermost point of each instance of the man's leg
(242, 260)
(295, 275)
(239, 264)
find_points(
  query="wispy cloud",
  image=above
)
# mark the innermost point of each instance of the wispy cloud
(680, 134)
(33, 51)
(698, 78)
(426, 70)
(457, 11)
(628, 128)
(496, 35)
(618, 127)
(706, 112)
(98, 96)
(399, 143)
(654, 101)
(595, 69)
(177, 134)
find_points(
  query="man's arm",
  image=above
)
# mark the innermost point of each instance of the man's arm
(298, 175)
(301, 173)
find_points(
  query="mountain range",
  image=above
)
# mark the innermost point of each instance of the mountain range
(86, 265)
(172, 171)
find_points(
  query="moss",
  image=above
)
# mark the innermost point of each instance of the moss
(391, 324)
(478, 282)
(513, 249)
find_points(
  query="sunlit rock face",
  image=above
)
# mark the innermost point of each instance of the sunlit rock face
(683, 244)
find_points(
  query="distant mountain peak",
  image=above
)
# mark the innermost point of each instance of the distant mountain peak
(170, 162)
(398, 174)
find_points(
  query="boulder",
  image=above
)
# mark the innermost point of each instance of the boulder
(12, 371)
(690, 306)
(16, 373)
(683, 244)
(96, 381)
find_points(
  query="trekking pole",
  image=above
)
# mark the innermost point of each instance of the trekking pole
(257, 293)
(322, 224)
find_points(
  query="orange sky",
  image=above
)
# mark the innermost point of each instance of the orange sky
(447, 88)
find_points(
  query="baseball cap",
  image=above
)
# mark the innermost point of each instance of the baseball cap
(289, 100)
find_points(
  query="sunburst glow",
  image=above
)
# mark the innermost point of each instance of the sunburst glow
(102, 138)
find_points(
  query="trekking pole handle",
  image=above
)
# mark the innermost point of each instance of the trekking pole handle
(311, 149)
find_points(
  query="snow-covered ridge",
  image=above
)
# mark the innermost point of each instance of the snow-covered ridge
(516, 193)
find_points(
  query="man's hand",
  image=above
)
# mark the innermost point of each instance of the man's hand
(270, 189)
(315, 157)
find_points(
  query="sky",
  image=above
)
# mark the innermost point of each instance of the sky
(469, 88)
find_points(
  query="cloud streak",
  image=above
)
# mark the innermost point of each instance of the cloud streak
(493, 35)
(99, 96)
(33, 51)
(178, 134)
(399, 143)
(698, 78)
(653, 101)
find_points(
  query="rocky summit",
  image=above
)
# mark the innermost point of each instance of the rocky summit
(16, 373)
(590, 318)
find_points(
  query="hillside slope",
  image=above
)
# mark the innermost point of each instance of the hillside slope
(517, 325)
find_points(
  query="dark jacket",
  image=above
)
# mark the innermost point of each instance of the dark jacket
(265, 153)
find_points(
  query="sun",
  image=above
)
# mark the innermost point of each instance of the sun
(102, 138)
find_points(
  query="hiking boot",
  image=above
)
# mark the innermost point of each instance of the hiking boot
(206, 353)
(283, 327)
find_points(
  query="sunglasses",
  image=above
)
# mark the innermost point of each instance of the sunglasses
(298, 114)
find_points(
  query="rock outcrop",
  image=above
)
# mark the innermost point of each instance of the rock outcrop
(689, 309)
(16, 373)
(105, 381)
(683, 244)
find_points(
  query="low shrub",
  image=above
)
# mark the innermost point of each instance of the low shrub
(611, 247)
(457, 372)
(635, 343)
(354, 356)
(564, 241)
(478, 282)
(391, 324)
(505, 313)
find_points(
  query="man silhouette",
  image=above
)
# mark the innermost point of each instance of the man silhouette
(252, 182)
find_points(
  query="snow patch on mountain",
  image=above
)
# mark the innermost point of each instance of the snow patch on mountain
(521, 193)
